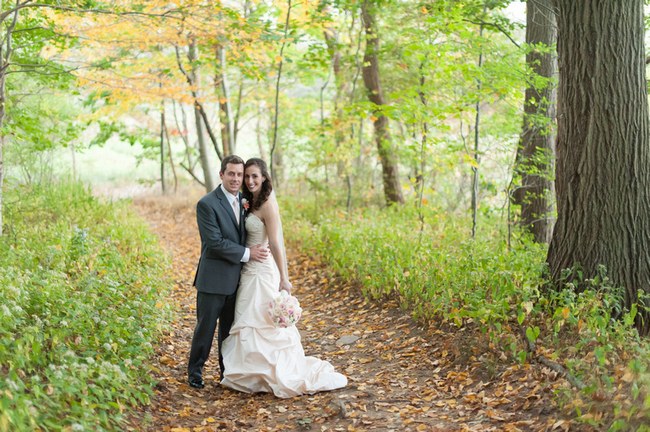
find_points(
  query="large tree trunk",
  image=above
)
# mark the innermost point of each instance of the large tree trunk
(536, 151)
(603, 160)
(390, 174)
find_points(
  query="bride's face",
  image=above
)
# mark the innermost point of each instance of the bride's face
(254, 179)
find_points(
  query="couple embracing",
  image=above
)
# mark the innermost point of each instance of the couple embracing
(242, 268)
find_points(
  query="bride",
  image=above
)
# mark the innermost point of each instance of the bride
(259, 357)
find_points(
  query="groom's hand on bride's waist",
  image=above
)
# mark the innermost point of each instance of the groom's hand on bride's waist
(259, 252)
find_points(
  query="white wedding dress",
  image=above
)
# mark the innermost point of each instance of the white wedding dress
(259, 357)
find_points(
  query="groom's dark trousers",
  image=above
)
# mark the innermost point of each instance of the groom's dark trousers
(209, 308)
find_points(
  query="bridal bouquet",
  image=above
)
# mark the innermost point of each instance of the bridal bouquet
(284, 310)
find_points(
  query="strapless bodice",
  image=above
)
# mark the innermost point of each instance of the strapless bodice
(255, 231)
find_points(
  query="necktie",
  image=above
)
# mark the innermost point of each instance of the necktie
(235, 206)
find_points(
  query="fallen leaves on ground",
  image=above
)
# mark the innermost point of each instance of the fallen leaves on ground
(402, 377)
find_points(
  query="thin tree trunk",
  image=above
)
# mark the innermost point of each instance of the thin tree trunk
(235, 122)
(603, 155)
(274, 142)
(199, 120)
(390, 174)
(358, 69)
(332, 40)
(203, 152)
(477, 135)
(183, 128)
(192, 80)
(6, 50)
(162, 148)
(259, 132)
(535, 153)
(191, 163)
(170, 154)
(225, 112)
(419, 183)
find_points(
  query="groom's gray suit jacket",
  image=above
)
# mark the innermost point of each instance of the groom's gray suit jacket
(222, 241)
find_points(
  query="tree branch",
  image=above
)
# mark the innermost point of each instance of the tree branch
(198, 104)
(191, 172)
(532, 350)
(495, 25)
(168, 14)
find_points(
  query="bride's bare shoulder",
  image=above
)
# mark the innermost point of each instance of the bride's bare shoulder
(270, 206)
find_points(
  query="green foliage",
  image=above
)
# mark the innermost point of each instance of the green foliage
(430, 77)
(83, 286)
(40, 108)
(434, 268)
(428, 262)
(37, 121)
(588, 328)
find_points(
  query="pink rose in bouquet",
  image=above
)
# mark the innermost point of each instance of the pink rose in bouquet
(284, 310)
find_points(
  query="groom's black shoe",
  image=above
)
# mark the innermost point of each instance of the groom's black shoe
(196, 383)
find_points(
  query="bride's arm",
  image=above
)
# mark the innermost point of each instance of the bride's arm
(273, 223)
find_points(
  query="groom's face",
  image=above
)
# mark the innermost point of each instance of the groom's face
(232, 177)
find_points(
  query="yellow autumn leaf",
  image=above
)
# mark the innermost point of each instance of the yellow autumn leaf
(470, 160)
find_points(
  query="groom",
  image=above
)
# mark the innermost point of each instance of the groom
(220, 217)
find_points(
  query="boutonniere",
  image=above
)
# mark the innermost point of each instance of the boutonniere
(245, 204)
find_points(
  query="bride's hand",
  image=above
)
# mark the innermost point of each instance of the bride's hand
(286, 285)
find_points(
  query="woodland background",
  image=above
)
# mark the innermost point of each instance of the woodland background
(482, 162)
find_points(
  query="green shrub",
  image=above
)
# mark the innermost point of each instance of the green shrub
(83, 286)
(426, 259)
(434, 268)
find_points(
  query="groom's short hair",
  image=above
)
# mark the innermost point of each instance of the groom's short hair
(231, 159)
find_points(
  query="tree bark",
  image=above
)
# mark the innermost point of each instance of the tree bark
(535, 154)
(477, 136)
(162, 148)
(370, 72)
(276, 111)
(225, 111)
(172, 165)
(208, 179)
(193, 79)
(603, 159)
(193, 82)
(343, 90)
(341, 84)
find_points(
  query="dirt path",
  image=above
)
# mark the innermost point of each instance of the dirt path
(401, 377)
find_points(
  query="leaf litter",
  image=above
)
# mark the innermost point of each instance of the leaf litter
(402, 376)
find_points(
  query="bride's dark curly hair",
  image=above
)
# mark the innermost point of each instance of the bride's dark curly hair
(265, 190)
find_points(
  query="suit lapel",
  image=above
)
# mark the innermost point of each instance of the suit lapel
(227, 207)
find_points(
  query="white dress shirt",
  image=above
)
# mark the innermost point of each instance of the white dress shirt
(231, 199)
